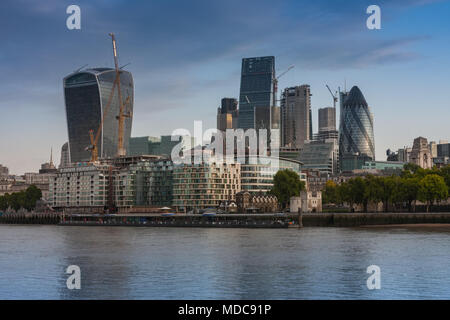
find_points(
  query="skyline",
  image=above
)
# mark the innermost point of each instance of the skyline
(401, 69)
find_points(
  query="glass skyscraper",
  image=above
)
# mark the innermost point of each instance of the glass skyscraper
(86, 96)
(356, 138)
(256, 93)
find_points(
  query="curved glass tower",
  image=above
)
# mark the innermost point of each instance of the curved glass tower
(356, 139)
(86, 95)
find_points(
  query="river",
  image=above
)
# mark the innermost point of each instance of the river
(202, 263)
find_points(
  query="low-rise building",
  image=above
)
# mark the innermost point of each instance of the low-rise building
(383, 165)
(256, 203)
(308, 201)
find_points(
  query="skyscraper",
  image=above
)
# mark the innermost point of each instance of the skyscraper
(256, 93)
(227, 114)
(296, 116)
(86, 96)
(356, 138)
(327, 119)
(65, 156)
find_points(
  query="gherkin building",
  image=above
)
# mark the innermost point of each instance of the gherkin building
(356, 138)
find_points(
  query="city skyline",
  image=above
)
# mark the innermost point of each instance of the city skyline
(401, 69)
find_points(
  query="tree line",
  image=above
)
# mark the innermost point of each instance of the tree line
(24, 199)
(414, 183)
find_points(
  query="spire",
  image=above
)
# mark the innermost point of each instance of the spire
(51, 156)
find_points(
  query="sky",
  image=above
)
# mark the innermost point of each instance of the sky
(185, 56)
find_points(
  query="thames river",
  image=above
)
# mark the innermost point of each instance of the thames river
(202, 263)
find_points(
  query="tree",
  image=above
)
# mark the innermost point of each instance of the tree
(286, 184)
(3, 203)
(32, 195)
(407, 191)
(330, 193)
(374, 190)
(357, 192)
(432, 187)
(23, 199)
(445, 173)
(389, 186)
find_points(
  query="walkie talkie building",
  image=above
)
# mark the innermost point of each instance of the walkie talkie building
(86, 96)
(356, 138)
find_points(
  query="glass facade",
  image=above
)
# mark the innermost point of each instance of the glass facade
(86, 97)
(257, 173)
(256, 92)
(356, 138)
(320, 155)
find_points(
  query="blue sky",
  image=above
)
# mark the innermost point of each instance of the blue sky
(186, 55)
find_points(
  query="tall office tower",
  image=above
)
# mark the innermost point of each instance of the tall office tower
(227, 114)
(86, 95)
(65, 156)
(296, 116)
(310, 124)
(327, 119)
(256, 93)
(356, 138)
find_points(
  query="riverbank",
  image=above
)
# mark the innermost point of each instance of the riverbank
(272, 220)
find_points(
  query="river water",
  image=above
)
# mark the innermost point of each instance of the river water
(202, 263)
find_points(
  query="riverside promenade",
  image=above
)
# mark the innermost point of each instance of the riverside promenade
(271, 220)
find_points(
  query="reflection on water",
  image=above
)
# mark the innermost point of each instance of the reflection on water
(172, 263)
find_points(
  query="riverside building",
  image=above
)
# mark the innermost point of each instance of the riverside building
(257, 174)
(205, 185)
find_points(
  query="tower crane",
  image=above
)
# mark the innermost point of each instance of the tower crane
(122, 113)
(275, 84)
(93, 147)
(335, 99)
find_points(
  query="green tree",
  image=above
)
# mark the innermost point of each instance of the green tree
(389, 187)
(343, 191)
(32, 195)
(357, 192)
(432, 188)
(3, 203)
(330, 193)
(286, 184)
(374, 190)
(407, 191)
(445, 173)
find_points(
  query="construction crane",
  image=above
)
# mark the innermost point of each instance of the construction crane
(275, 84)
(122, 113)
(335, 99)
(93, 147)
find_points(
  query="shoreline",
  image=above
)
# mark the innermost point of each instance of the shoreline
(270, 220)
